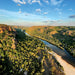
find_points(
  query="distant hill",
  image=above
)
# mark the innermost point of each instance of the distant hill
(61, 36)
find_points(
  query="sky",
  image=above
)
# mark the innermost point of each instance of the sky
(37, 12)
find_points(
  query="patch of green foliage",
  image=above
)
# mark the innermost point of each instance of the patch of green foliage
(29, 56)
(63, 38)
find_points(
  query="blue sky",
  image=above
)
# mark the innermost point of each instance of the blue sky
(37, 12)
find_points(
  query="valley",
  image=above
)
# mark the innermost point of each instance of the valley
(63, 57)
(21, 55)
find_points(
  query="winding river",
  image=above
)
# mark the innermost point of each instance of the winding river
(63, 57)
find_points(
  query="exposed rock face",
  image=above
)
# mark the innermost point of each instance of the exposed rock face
(4, 28)
(1, 31)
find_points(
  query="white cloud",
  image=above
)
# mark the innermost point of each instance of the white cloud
(24, 18)
(58, 23)
(36, 1)
(49, 21)
(55, 2)
(19, 1)
(60, 13)
(20, 11)
(57, 9)
(70, 9)
(38, 10)
(18, 5)
(29, 1)
(24, 2)
(45, 13)
(46, 1)
(64, 5)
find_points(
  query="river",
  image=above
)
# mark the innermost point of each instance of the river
(63, 57)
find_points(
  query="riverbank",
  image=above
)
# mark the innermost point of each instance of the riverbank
(68, 69)
(65, 59)
(46, 40)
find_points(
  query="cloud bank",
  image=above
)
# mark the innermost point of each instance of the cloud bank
(38, 10)
(19, 1)
(27, 1)
(53, 2)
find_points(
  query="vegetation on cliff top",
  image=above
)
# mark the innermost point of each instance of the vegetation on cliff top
(61, 36)
(21, 54)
